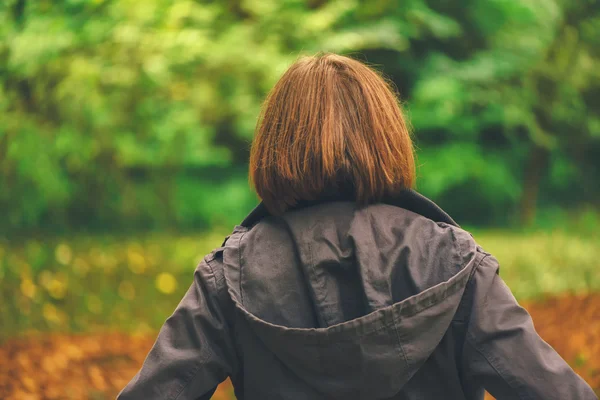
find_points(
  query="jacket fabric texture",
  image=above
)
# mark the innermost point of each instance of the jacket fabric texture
(333, 301)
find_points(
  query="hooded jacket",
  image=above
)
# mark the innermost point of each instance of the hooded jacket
(331, 301)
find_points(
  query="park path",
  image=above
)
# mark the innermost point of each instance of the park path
(97, 366)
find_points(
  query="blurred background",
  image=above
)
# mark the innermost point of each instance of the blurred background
(124, 135)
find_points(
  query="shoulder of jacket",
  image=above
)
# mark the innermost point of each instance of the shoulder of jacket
(214, 265)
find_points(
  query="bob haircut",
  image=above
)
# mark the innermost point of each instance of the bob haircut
(330, 126)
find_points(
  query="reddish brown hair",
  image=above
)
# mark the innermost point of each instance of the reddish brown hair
(329, 123)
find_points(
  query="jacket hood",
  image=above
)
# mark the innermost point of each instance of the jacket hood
(409, 273)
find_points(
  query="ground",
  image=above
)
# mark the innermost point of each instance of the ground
(97, 366)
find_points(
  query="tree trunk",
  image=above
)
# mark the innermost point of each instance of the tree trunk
(536, 166)
(19, 13)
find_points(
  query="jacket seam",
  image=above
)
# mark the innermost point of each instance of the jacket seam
(467, 292)
(239, 250)
(472, 342)
(237, 339)
(194, 371)
(228, 313)
(400, 341)
(470, 338)
(218, 288)
(457, 245)
(208, 261)
(184, 384)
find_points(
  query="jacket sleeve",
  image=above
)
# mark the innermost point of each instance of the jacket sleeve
(504, 353)
(193, 352)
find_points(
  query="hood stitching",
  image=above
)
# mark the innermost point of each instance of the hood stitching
(404, 309)
(400, 342)
(322, 311)
(240, 264)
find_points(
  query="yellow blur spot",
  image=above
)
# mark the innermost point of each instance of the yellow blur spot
(63, 254)
(57, 288)
(136, 261)
(126, 290)
(94, 304)
(50, 313)
(166, 283)
(28, 288)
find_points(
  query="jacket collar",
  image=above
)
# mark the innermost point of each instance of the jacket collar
(407, 199)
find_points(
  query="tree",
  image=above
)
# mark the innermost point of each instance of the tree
(127, 113)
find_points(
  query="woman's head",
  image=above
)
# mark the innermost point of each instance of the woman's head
(330, 124)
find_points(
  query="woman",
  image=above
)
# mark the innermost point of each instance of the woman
(344, 283)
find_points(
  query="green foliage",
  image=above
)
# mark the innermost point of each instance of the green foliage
(98, 282)
(121, 113)
(541, 263)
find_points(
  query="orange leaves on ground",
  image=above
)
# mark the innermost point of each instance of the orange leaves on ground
(73, 366)
(69, 366)
(571, 324)
(97, 366)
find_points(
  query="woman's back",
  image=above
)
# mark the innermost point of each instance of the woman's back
(374, 303)
(333, 301)
(327, 264)
(352, 294)
(377, 295)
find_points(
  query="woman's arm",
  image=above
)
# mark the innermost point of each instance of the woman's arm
(194, 351)
(504, 353)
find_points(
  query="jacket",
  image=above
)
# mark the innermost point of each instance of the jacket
(332, 301)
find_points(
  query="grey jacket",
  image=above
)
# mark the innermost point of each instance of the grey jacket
(329, 301)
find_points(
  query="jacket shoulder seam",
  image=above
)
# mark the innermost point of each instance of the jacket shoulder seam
(239, 250)
(207, 275)
(463, 316)
(471, 340)
(218, 277)
(208, 260)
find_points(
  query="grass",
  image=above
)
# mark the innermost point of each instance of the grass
(535, 264)
(92, 283)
